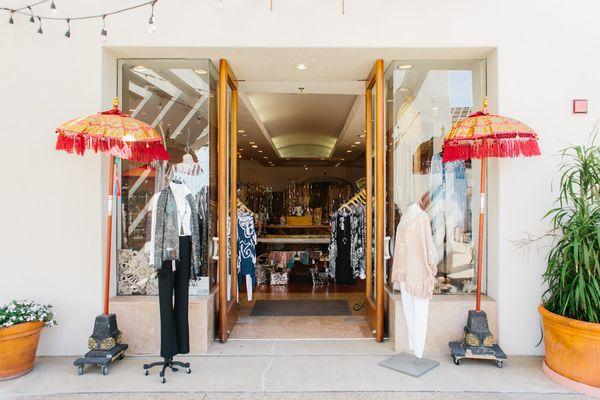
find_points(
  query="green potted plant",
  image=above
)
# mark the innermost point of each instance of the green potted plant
(570, 307)
(21, 323)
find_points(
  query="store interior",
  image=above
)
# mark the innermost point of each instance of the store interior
(301, 177)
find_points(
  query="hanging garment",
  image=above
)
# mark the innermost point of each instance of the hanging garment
(246, 242)
(174, 214)
(415, 259)
(344, 274)
(358, 221)
(174, 328)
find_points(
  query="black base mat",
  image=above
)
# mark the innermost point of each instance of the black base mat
(300, 308)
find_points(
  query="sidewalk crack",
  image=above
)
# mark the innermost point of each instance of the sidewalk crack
(264, 373)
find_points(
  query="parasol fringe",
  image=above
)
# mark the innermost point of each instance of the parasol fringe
(135, 151)
(507, 145)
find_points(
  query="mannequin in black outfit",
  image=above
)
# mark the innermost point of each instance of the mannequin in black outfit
(174, 326)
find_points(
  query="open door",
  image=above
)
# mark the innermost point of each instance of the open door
(227, 199)
(375, 174)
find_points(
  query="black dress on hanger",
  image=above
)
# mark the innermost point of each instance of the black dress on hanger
(343, 270)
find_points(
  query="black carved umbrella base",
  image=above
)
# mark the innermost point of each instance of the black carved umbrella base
(104, 344)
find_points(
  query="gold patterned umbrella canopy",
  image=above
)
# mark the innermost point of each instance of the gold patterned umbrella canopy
(114, 133)
(483, 135)
(120, 136)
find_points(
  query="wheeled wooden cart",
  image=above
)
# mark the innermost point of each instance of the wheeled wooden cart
(461, 351)
(101, 358)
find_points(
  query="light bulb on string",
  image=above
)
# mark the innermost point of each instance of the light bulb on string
(31, 19)
(53, 8)
(104, 31)
(40, 31)
(10, 18)
(152, 21)
(68, 32)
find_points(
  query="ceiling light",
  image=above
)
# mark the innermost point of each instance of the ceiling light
(251, 143)
(322, 159)
(353, 145)
(260, 151)
(244, 135)
(405, 66)
(254, 146)
(301, 67)
(265, 157)
(348, 151)
(241, 131)
(356, 142)
(240, 149)
(201, 71)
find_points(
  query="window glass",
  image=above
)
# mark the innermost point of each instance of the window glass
(174, 96)
(424, 100)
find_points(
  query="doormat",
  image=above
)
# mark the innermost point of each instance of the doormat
(409, 364)
(300, 308)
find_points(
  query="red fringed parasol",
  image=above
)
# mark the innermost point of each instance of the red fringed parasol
(483, 135)
(114, 133)
(120, 136)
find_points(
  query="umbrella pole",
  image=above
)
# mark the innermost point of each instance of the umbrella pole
(480, 233)
(111, 182)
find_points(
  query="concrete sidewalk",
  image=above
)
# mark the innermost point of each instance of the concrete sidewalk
(289, 370)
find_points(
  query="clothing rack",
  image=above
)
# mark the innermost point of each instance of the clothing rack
(359, 197)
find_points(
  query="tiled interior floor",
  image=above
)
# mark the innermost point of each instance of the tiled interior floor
(334, 327)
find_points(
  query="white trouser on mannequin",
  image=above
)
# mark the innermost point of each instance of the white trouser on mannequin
(416, 311)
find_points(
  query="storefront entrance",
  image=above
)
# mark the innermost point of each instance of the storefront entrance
(371, 306)
(308, 161)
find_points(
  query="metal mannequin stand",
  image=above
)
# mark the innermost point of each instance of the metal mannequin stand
(167, 363)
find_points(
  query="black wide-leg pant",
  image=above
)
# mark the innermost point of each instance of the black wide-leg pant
(174, 328)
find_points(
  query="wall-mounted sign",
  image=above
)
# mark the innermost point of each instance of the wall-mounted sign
(580, 106)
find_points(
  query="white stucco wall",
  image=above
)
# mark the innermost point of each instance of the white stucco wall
(52, 202)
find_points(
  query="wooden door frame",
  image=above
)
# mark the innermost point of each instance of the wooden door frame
(375, 308)
(227, 308)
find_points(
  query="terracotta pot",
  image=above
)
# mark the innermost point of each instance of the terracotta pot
(572, 347)
(18, 344)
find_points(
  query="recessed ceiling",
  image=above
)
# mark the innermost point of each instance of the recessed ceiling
(302, 125)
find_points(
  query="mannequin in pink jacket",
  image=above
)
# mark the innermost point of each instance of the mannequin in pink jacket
(414, 268)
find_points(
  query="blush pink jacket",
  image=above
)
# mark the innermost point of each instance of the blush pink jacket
(415, 259)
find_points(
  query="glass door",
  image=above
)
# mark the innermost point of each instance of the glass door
(375, 174)
(227, 200)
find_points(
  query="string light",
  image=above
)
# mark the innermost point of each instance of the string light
(68, 32)
(152, 20)
(28, 11)
(104, 31)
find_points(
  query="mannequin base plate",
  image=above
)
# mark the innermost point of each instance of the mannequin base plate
(167, 363)
(409, 364)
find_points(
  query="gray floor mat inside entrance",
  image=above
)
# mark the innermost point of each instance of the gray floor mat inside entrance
(300, 308)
